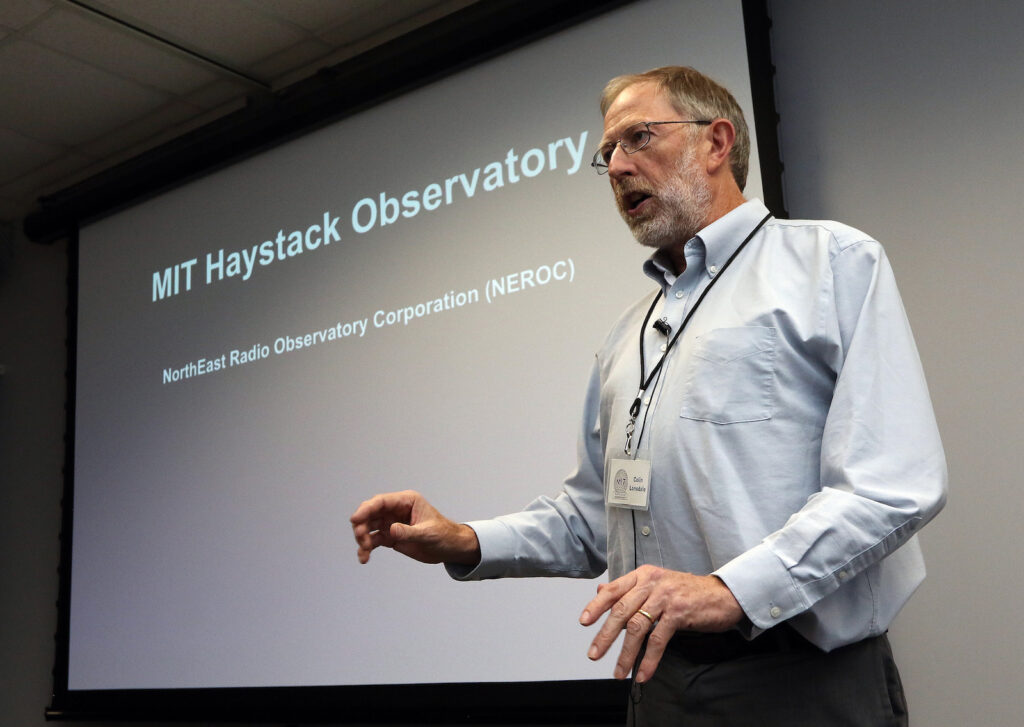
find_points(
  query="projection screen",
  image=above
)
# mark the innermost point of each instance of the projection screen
(408, 298)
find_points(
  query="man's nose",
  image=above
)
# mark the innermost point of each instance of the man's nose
(620, 164)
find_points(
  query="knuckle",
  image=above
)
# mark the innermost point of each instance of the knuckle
(636, 626)
(619, 609)
(657, 641)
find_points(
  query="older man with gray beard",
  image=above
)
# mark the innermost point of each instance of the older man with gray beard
(753, 466)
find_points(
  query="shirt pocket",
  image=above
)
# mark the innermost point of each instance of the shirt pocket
(730, 376)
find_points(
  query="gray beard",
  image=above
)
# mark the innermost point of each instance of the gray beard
(683, 206)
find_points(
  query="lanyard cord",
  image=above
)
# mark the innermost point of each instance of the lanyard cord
(634, 410)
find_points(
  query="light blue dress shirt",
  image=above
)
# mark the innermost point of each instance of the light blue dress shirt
(794, 452)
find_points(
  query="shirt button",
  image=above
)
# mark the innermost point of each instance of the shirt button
(843, 575)
(775, 612)
(647, 401)
(679, 294)
(664, 347)
(713, 269)
(645, 530)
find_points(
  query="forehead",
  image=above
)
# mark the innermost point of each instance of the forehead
(639, 102)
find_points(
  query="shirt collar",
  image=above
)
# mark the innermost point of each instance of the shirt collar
(719, 239)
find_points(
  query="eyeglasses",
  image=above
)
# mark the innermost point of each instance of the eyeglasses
(635, 138)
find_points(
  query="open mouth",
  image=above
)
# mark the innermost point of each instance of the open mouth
(632, 201)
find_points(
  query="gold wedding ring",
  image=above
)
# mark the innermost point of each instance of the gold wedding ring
(645, 614)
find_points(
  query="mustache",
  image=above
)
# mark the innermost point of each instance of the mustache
(632, 186)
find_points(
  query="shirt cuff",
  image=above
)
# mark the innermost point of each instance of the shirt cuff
(763, 587)
(495, 539)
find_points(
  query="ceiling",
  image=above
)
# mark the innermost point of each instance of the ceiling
(85, 84)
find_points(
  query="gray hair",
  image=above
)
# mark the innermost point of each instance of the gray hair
(693, 93)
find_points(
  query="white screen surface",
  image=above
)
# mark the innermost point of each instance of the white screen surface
(213, 488)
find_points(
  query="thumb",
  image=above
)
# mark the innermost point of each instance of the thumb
(401, 531)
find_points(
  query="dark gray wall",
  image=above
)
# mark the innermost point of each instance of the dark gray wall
(899, 118)
(33, 296)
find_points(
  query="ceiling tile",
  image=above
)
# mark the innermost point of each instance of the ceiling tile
(16, 14)
(139, 130)
(163, 136)
(80, 93)
(299, 55)
(21, 155)
(389, 20)
(216, 94)
(315, 15)
(202, 120)
(120, 51)
(61, 100)
(226, 31)
(365, 35)
(59, 173)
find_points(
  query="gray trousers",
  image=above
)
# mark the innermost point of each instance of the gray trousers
(784, 682)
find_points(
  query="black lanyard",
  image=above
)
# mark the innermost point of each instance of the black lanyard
(634, 410)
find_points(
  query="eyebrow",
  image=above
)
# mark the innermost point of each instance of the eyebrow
(604, 143)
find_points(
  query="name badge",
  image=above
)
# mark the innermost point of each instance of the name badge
(627, 483)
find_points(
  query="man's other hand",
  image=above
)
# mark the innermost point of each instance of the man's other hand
(406, 522)
(672, 601)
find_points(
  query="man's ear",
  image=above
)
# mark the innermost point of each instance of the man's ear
(722, 135)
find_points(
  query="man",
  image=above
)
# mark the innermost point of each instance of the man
(753, 467)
